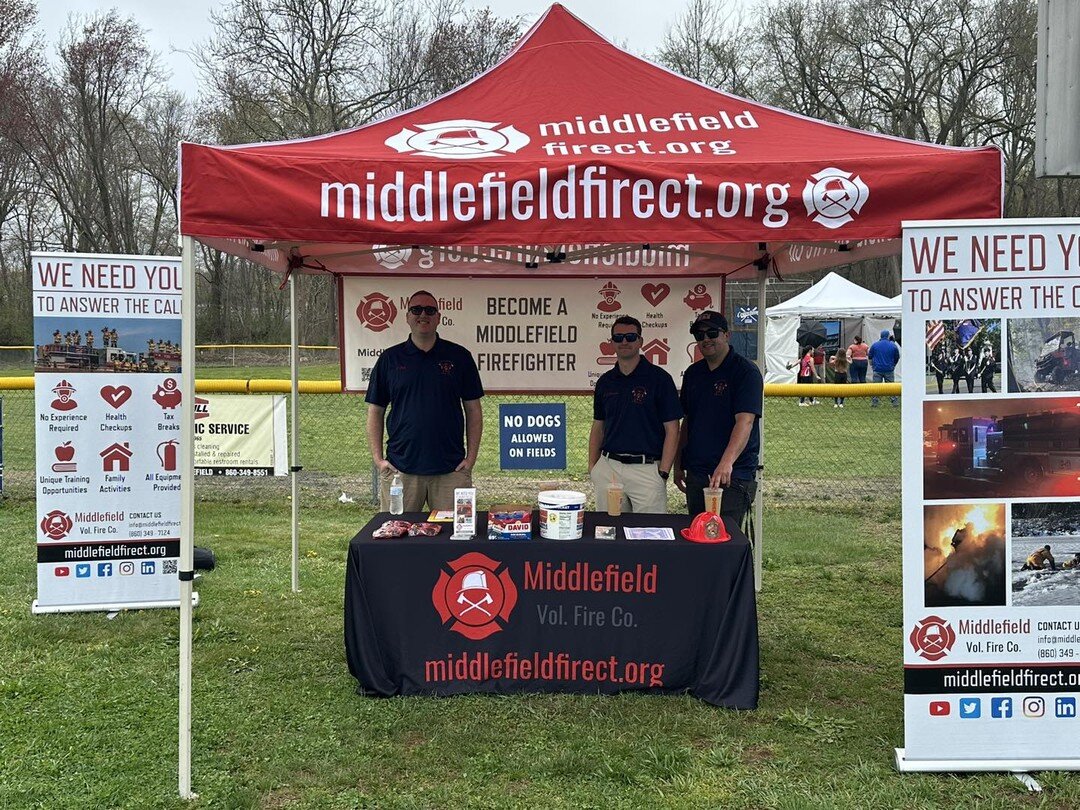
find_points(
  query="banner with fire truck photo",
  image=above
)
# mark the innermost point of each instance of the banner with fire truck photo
(107, 368)
(991, 496)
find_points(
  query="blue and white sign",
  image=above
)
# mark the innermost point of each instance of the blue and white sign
(532, 436)
(746, 315)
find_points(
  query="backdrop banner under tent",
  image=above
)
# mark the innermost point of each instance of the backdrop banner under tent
(574, 149)
(857, 310)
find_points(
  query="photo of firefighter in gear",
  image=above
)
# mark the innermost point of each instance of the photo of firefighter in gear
(1038, 559)
(1045, 557)
(964, 555)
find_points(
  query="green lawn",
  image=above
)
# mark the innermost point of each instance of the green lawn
(88, 705)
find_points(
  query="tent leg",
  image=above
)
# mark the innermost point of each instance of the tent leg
(759, 511)
(187, 506)
(294, 449)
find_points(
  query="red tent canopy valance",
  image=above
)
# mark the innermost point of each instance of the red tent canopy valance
(571, 141)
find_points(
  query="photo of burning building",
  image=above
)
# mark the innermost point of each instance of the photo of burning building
(1045, 559)
(1001, 448)
(964, 555)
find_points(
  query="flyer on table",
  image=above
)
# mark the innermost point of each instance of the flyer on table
(991, 493)
(107, 368)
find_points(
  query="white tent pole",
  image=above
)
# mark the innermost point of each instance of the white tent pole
(759, 512)
(294, 449)
(187, 505)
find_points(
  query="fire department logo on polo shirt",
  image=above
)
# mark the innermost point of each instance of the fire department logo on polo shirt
(832, 196)
(446, 367)
(459, 139)
(638, 395)
(932, 638)
(475, 597)
(376, 312)
(719, 388)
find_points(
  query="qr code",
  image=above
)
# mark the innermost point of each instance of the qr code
(365, 375)
(168, 566)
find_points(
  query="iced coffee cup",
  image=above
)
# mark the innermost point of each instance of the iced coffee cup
(614, 498)
(713, 496)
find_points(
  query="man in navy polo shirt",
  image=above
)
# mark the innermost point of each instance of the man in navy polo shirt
(433, 390)
(635, 426)
(719, 439)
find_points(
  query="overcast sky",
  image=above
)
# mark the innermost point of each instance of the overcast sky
(173, 27)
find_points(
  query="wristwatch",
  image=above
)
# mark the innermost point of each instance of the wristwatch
(664, 474)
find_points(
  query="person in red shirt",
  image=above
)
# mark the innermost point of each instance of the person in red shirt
(807, 373)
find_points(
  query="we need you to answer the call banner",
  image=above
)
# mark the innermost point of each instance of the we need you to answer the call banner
(107, 368)
(991, 495)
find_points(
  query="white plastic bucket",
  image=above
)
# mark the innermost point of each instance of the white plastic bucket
(562, 514)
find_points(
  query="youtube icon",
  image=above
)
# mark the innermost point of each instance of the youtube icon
(62, 571)
(940, 708)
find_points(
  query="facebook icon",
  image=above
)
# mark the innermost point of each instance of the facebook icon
(1001, 707)
(104, 569)
(1065, 707)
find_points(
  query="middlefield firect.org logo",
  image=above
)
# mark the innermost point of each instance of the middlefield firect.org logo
(56, 525)
(459, 139)
(932, 638)
(475, 595)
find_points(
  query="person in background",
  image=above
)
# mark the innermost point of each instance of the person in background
(635, 429)
(856, 355)
(719, 439)
(433, 390)
(839, 365)
(883, 357)
(806, 374)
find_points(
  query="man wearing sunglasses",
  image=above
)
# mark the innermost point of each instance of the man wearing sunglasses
(719, 439)
(433, 390)
(635, 425)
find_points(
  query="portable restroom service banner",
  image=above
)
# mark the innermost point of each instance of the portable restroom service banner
(991, 495)
(107, 370)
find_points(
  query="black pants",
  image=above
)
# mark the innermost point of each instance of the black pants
(736, 501)
(940, 382)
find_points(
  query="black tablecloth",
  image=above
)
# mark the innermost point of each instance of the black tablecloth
(434, 616)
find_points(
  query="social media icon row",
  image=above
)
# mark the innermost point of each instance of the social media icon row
(107, 569)
(1001, 708)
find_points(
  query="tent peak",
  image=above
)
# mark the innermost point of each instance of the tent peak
(559, 25)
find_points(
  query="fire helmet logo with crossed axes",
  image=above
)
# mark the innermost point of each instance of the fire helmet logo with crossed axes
(477, 595)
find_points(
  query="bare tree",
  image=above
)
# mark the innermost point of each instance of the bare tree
(707, 43)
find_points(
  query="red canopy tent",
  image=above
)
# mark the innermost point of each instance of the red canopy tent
(569, 147)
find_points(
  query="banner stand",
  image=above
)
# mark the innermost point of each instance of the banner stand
(983, 765)
(39, 610)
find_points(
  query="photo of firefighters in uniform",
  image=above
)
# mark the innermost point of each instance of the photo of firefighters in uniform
(1045, 560)
(143, 345)
(963, 357)
(1043, 355)
(964, 555)
(1001, 448)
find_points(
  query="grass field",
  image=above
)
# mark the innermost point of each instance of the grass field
(88, 705)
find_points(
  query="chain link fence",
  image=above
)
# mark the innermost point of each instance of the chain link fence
(813, 455)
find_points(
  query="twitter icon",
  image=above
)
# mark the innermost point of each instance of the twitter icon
(970, 708)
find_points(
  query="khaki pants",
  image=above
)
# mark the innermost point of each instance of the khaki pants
(437, 491)
(643, 488)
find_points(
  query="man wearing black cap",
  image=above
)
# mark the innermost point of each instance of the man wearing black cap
(635, 425)
(719, 441)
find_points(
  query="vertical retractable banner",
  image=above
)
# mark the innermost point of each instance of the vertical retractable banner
(107, 370)
(991, 496)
